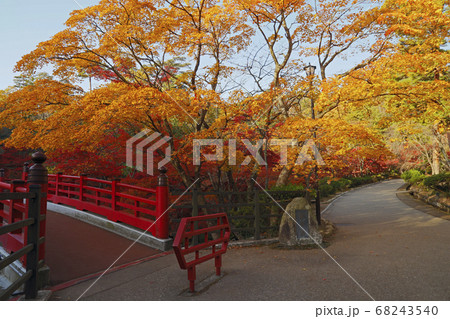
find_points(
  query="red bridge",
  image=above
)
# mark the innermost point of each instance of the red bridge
(114, 200)
(139, 207)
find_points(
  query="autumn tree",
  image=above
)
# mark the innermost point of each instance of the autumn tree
(411, 84)
(134, 47)
(128, 43)
(330, 31)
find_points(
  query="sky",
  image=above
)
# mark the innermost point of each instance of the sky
(26, 23)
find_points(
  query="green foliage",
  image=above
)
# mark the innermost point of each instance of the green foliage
(361, 180)
(345, 183)
(330, 187)
(21, 81)
(290, 187)
(327, 187)
(413, 176)
(277, 192)
(440, 182)
(242, 218)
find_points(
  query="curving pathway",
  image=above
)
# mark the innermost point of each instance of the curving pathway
(399, 252)
(393, 251)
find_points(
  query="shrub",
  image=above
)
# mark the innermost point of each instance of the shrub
(345, 183)
(406, 175)
(440, 182)
(290, 187)
(328, 188)
(242, 218)
(358, 181)
(413, 176)
(296, 189)
(325, 189)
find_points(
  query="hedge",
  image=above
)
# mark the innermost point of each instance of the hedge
(440, 182)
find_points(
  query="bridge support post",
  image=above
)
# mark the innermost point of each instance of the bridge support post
(31, 286)
(162, 203)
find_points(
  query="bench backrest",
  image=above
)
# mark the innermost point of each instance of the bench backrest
(213, 229)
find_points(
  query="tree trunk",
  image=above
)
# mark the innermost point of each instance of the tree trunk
(448, 139)
(435, 166)
(181, 172)
(283, 178)
(251, 181)
(436, 155)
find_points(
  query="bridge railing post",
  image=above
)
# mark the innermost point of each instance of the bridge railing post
(2, 175)
(114, 189)
(38, 175)
(82, 183)
(57, 181)
(25, 171)
(15, 212)
(162, 203)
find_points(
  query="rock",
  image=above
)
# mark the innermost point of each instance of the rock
(288, 227)
(434, 198)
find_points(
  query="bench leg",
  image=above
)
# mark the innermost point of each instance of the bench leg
(191, 278)
(218, 264)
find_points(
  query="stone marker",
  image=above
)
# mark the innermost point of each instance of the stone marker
(302, 228)
(291, 234)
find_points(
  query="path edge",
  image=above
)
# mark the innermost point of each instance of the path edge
(406, 198)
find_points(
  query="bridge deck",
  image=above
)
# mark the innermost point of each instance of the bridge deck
(75, 249)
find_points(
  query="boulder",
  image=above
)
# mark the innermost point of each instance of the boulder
(290, 234)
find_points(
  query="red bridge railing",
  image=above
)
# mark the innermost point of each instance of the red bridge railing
(144, 208)
(16, 210)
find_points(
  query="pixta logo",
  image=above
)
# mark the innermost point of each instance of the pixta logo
(254, 149)
(142, 146)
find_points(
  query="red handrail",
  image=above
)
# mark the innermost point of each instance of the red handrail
(138, 188)
(114, 200)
